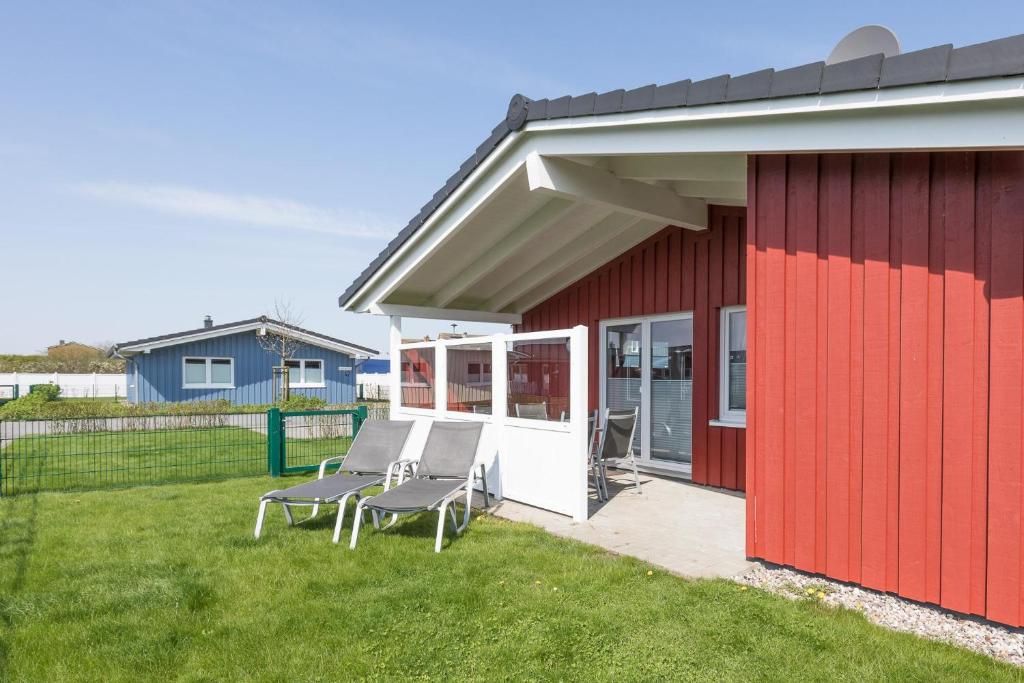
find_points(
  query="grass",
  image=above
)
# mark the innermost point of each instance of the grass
(167, 583)
(126, 458)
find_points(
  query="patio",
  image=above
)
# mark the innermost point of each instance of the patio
(689, 530)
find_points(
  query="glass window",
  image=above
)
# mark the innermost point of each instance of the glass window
(468, 390)
(314, 372)
(733, 389)
(417, 377)
(220, 371)
(305, 373)
(294, 372)
(538, 371)
(201, 373)
(195, 371)
(622, 383)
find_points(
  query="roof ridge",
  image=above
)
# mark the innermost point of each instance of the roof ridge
(240, 323)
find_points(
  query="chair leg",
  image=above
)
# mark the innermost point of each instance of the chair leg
(440, 526)
(356, 523)
(288, 514)
(259, 517)
(453, 514)
(636, 478)
(341, 515)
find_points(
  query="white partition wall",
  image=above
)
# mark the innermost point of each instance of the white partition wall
(529, 390)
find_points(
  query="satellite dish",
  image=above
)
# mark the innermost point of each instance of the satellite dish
(866, 40)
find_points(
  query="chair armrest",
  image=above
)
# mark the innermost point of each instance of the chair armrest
(401, 465)
(326, 461)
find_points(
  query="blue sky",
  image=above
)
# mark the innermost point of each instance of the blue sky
(163, 161)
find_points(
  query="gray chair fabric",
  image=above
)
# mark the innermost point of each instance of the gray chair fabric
(532, 411)
(450, 450)
(416, 494)
(616, 443)
(445, 471)
(378, 444)
(618, 434)
(327, 488)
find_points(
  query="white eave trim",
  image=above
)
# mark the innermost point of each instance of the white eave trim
(310, 339)
(973, 114)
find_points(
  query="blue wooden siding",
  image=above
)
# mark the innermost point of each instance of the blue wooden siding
(375, 366)
(159, 373)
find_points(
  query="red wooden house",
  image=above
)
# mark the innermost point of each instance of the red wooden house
(809, 280)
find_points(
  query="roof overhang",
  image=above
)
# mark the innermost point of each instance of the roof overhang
(560, 197)
(133, 349)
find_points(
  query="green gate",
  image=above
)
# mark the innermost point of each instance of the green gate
(297, 441)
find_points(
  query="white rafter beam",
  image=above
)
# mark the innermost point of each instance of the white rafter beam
(603, 233)
(563, 178)
(732, 189)
(540, 220)
(586, 264)
(680, 167)
(445, 314)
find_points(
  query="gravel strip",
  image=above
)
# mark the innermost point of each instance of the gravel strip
(893, 612)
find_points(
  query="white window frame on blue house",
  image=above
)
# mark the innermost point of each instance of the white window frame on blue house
(302, 383)
(209, 383)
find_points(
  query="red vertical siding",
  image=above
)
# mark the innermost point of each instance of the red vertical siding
(886, 327)
(676, 270)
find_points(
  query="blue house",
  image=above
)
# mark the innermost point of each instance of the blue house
(228, 362)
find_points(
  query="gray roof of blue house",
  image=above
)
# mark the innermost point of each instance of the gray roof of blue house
(942, 63)
(227, 327)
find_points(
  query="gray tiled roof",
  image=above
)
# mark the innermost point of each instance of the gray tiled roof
(1002, 57)
(239, 323)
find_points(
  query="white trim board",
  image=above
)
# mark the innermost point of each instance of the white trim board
(982, 114)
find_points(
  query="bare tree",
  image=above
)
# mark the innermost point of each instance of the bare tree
(277, 339)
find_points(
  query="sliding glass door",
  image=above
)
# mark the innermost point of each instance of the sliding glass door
(648, 363)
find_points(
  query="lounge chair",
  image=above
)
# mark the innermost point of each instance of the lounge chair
(615, 441)
(532, 411)
(376, 448)
(445, 472)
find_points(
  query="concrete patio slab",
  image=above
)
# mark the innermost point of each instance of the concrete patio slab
(689, 530)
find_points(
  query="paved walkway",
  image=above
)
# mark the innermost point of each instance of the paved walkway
(689, 530)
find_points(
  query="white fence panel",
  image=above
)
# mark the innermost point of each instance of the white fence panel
(78, 385)
(540, 462)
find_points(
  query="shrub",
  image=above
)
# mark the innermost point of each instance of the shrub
(45, 392)
(302, 402)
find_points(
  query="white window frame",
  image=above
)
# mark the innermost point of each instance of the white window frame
(727, 417)
(303, 384)
(208, 384)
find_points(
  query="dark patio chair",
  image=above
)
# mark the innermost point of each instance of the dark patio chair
(616, 443)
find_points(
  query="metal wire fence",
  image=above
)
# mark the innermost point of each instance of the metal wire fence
(95, 453)
(115, 452)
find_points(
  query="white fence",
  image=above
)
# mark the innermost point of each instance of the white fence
(84, 385)
(373, 386)
(535, 437)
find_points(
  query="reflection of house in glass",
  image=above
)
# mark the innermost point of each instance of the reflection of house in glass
(469, 378)
(417, 368)
(538, 372)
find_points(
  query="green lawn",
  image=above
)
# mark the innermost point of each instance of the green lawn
(167, 583)
(112, 459)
